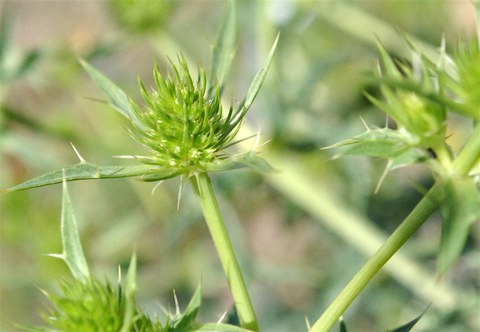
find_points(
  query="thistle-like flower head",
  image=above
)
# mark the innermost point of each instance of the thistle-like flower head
(182, 121)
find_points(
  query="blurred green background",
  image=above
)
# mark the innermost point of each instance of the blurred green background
(301, 233)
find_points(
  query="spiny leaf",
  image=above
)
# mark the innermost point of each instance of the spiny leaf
(115, 96)
(250, 160)
(407, 158)
(223, 50)
(259, 78)
(460, 209)
(409, 326)
(187, 320)
(254, 162)
(72, 247)
(87, 171)
(385, 142)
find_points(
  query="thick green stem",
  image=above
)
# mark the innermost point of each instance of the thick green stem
(225, 251)
(462, 165)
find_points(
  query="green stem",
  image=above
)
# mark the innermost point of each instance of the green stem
(462, 165)
(470, 154)
(201, 183)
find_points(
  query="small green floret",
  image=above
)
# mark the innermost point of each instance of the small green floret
(184, 128)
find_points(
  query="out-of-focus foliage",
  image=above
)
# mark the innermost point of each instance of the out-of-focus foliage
(140, 15)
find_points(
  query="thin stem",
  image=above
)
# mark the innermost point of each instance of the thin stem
(408, 227)
(467, 159)
(201, 183)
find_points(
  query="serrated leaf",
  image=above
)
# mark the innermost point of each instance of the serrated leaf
(115, 96)
(186, 321)
(88, 171)
(223, 50)
(460, 209)
(72, 248)
(259, 78)
(409, 326)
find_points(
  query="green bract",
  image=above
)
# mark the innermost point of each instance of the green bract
(184, 128)
(408, 93)
(467, 85)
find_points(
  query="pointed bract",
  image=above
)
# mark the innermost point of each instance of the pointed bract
(223, 50)
(72, 248)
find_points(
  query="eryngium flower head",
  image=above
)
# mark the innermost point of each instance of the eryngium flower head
(94, 306)
(183, 123)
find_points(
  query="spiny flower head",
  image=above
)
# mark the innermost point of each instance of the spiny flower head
(411, 98)
(93, 306)
(182, 121)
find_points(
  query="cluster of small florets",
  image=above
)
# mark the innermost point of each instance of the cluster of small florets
(93, 306)
(182, 122)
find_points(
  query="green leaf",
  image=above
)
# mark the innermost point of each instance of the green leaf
(259, 78)
(115, 96)
(72, 247)
(88, 171)
(385, 142)
(460, 209)
(223, 50)
(408, 157)
(409, 326)
(390, 67)
(254, 162)
(186, 321)
(249, 159)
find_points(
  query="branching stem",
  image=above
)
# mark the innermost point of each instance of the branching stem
(467, 159)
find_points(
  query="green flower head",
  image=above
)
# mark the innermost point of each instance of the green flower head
(94, 306)
(183, 123)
